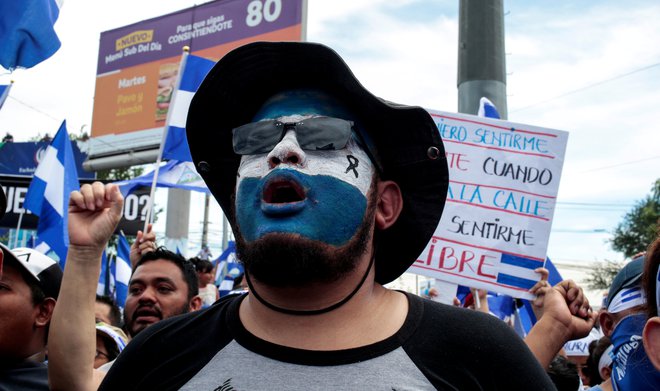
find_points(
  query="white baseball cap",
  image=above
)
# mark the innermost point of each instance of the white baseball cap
(43, 268)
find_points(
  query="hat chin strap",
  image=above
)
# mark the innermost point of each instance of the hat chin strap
(311, 312)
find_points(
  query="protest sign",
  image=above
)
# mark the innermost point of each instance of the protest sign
(503, 183)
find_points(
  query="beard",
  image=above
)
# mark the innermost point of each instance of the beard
(134, 328)
(290, 260)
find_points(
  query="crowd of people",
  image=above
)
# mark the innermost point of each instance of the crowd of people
(317, 177)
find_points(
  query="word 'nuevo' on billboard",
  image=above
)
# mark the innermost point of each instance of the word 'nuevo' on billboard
(503, 184)
(138, 64)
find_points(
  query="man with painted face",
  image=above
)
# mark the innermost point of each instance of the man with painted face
(331, 193)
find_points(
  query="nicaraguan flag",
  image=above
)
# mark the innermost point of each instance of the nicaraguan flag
(518, 272)
(487, 109)
(180, 175)
(27, 35)
(4, 93)
(176, 143)
(48, 195)
(227, 269)
(102, 288)
(122, 270)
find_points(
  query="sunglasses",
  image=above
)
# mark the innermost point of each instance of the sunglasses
(313, 134)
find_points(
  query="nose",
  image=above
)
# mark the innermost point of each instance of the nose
(148, 296)
(287, 151)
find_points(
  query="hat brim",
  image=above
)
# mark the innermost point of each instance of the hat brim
(406, 138)
(49, 277)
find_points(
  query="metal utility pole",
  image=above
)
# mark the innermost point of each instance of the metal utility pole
(178, 215)
(205, 223)
(481, 61)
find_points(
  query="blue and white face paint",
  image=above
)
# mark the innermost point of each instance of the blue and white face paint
(319, 195)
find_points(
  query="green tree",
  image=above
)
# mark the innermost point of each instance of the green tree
(120, 174)
(639, 226)
(602, 274)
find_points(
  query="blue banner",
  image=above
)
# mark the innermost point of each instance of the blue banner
(22, 159)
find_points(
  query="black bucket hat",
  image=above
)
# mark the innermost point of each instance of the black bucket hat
(406, 138)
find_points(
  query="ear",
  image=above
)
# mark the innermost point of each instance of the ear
(390, 204)
(606, 373)
(195, 303)
(44, 312)
(607, 323)
(651, 340)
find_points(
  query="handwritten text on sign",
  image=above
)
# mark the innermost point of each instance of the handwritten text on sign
(503, 183)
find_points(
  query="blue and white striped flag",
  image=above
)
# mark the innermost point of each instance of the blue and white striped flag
(227, 269)
(4, 93)
(27, 32)
(173, 174)
(102, 287)
(487, 109)
(176, 143)
(122, 270)
(517, 271)
(48, 195)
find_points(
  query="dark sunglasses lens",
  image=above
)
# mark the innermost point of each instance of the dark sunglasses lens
(323, 133)
(256, 137)
(313, 134)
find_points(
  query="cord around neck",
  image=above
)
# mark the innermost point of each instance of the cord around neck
(311, 312)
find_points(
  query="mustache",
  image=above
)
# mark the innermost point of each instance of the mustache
(147, 310)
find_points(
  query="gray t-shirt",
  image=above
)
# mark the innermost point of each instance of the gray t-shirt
(438, 347)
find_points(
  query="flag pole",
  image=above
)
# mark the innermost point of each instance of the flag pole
(5, 94)
(18, 228)
(150, 204)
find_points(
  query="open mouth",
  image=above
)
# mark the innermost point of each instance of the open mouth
(282, 196)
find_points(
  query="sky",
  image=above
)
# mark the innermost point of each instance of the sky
(589, 68)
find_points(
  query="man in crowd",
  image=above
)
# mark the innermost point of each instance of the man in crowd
(29, 286)
(331, 193)
(651, 334)
(163, 284)
(623, 322)
(107, 311)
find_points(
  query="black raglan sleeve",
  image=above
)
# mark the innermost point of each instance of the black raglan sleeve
(461, 349)
(169, 353)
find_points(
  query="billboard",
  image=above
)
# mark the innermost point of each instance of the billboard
(138, 64)
(503, 184)
(22, 159)
(15, 188)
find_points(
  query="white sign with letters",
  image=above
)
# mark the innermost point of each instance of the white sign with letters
(503, 184)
